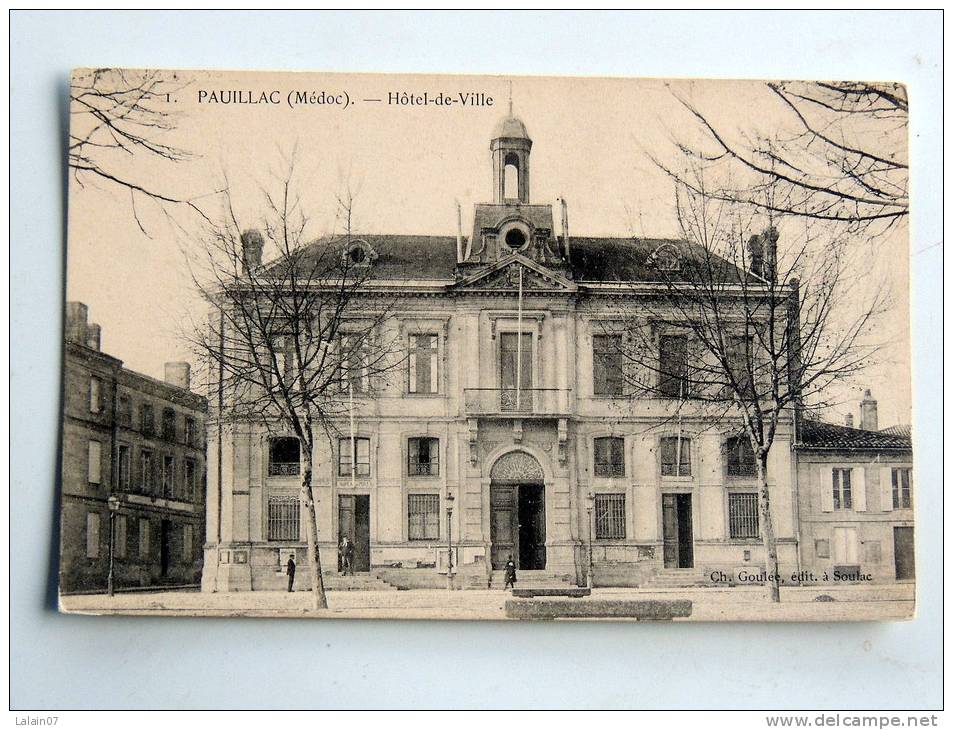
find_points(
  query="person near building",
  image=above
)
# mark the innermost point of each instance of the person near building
(509, 573)
(291, 573)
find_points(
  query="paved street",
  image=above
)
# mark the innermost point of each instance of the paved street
(708, 604)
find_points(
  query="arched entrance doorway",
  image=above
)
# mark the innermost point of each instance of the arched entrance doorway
(517, 512)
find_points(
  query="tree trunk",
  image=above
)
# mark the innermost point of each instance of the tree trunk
(767, 530)
(319, 600)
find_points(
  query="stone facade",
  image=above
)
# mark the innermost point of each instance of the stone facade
(521, 467)
(156, 536)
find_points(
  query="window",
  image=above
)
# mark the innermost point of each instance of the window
(168, 424)
(609, 456)
(147, 419)
(95, 395)
(143, 539)
(168, 477)
(900, 483)
(125, 466)
(607, 365)
(282, 347)
(841, 484)
(740, 457)
(423, 516)
(95, 463)
(190, 432)
(125, 411)
(673, 366)
(423, 364)
(284, 516)
(741, 365)
(187, 543)
(743, 516)
(676, 456)
(284, 456)
(354, 363)
(610, 516)
(190, 491)
(516, 369)
(423, 457)
(357, 454)
(92, 534)
(146, 472)
(120, 536)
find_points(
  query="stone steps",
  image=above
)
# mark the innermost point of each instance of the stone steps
(678, 578)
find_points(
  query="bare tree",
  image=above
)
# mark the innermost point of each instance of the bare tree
(738, 330)
(120, 124)
(837, 153)
(291, 341)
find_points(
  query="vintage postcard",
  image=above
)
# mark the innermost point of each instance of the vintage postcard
(487, 347)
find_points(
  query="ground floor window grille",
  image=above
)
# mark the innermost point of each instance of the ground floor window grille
(423, 516)
(743, 516)
(610, 516)
(284, 517)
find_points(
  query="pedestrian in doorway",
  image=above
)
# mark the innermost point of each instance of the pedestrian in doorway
(347, 556)
(509, 572)
(291, 573)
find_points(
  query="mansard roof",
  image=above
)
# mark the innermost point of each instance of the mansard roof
(820, 435)
(592, 259)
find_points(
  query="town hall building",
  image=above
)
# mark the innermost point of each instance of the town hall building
(508, 432)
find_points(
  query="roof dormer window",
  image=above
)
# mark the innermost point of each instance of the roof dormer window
(359, 253)
(665, 258)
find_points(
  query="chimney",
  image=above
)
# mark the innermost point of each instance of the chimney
(252, 246)
(565, 225)
(76, 313)
(178, 374)
(868, 412)
(770, 238)
(849, 420)
(755, 256)
(93, 333)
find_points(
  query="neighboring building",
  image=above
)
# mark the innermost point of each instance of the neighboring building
(856, 495)
(670, 497)
(141, 440)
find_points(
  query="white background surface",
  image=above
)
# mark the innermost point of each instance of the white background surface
(78, 662)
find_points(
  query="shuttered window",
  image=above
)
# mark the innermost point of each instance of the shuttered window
(610, 516)
(841, 492)
(95, 463)
(743, 515)
(284, 518)
(900, 484)
(423, 364)
(607, 365)
(92, 535)
(423, 516)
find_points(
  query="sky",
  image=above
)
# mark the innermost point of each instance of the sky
(408, 166)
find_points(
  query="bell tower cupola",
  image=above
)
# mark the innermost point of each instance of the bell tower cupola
(510, 147)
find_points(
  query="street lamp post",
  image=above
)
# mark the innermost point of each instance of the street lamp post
(589, 504)
(114, 504)
(449, 500)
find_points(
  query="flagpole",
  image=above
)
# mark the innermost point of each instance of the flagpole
(350, 393)
(519, 339)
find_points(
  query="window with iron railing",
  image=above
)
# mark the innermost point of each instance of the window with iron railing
(284, 456)
(609, 453)
(284, 518)
(610, 516)
(423, 456)
(741, 462)
(356, 456)
(743, 515)
(423, 516)
(676, 456)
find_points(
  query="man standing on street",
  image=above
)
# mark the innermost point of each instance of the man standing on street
(291, 573)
